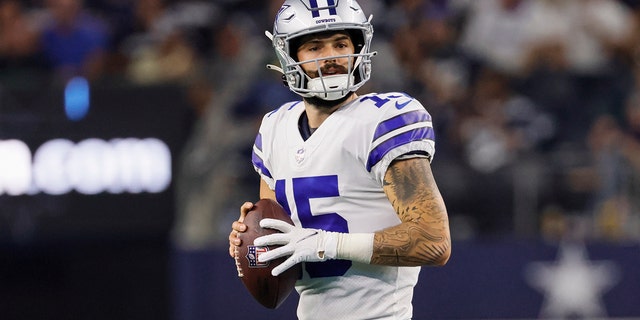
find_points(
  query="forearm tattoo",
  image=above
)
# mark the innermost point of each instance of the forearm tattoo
(423, 237)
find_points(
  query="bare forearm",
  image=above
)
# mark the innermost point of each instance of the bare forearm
(410, 244)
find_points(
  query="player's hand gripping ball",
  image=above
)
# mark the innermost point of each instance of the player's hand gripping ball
(256, 276)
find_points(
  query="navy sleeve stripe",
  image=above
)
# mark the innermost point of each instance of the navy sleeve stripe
(259, 164)
(256, 159)
(258, 143)
(423, 133)
(400, 121)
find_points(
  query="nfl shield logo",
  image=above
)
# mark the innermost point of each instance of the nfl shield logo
(252, 255)
(300, 155)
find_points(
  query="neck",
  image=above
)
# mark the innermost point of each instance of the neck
(318, 110)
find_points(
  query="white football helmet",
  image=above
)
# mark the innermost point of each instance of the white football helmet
(297, 18)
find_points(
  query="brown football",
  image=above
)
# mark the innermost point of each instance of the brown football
(256, 276)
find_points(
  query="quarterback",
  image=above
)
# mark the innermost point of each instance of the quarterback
(353, 171)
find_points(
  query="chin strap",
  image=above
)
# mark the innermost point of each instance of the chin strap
(274, 67)
(268, 34)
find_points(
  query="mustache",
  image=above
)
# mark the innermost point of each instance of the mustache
(330, 68)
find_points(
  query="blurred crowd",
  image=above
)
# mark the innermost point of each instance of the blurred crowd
(536, 103)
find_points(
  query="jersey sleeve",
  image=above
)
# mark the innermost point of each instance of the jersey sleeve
(259, 163)
(405, 128)
(262, 148)
(262, 153)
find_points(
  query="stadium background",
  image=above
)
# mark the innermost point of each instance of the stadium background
(537, 122)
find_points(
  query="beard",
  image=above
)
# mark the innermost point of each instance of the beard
(326, 104)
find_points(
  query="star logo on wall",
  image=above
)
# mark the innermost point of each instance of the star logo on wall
(572, 285)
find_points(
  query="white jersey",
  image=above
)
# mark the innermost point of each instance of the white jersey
(333, 181)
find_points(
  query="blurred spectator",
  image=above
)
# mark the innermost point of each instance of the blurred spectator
(18, 36)
(405, 27)
(616, 152)
(585, 32)
(631, 152)
(609, 205)
(573, 66)
(400, 15)
(159, 50)
(74, 41)
(442, 79)
(418, 53)
(495, 33)
(500, 124)
(496, 130)
(119, 16)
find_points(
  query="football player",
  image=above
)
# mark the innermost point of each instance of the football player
(353, 171)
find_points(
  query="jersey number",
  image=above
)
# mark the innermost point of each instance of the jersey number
(305, 189)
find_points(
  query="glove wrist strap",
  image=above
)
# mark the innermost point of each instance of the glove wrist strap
(356, 247)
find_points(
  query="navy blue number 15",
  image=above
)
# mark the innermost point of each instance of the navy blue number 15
(305, 189)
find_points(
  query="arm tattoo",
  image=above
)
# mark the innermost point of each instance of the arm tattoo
(423, 236)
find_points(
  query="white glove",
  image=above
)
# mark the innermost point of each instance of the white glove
(301, 244)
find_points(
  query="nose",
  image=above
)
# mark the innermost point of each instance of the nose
(330, 59)
(330, 54)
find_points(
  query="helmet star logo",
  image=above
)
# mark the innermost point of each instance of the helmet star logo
(283, 9)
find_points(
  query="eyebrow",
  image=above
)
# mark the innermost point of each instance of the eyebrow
(317, 40)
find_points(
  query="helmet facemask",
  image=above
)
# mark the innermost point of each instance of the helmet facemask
(326, 87)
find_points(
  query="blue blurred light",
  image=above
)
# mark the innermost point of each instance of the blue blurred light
(76, 98)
